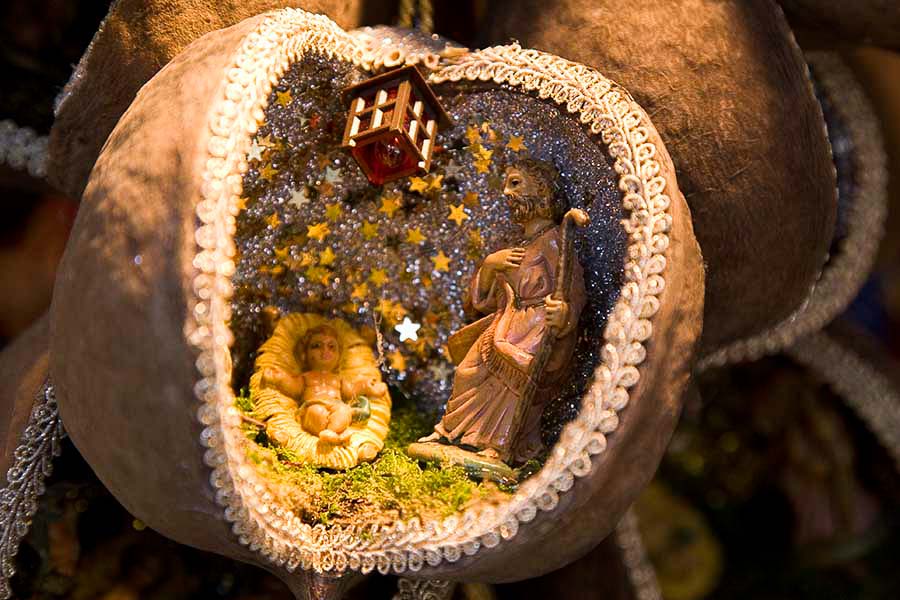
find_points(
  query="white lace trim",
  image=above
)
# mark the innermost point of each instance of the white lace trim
(277, 532)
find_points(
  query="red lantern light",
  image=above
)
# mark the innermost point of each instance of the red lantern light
(392, 124)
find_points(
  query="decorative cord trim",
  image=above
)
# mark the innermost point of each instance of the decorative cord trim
(32, 464)
(641, 573)
(869, 393)
(846, 272)
(424, 589)
(278, 533)
(22, 149)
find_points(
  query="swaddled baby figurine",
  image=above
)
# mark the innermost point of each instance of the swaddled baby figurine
(327, 403)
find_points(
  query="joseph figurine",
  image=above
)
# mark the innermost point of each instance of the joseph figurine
(510, 363)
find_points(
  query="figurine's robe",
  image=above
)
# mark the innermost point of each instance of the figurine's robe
(490, 380)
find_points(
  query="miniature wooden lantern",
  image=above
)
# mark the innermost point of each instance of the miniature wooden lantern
(392, 124)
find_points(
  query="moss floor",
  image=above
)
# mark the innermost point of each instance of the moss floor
(393, 486)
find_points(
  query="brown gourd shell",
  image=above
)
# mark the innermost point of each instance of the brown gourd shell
(727, 88)
(136, 308)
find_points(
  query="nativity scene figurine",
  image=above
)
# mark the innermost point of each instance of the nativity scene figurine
(318, 391)
(512, 361)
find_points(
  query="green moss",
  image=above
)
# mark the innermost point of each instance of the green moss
(390, 487)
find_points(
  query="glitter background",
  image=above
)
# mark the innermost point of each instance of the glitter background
(315, 236)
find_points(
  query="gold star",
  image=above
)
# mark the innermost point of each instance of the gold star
(414, 236)
(471, 199)
(385, 307)
(441, 261)
(267, 172)
(472, 134)
(326, 257)
(369, 230)
(475, 237)
(515, 143)
(481, 166)
(283, 98)
(434, 183)
(378, 277)
(398, 363)
(389, 204)
(242, 204)
(273, 221)
(318, 231)
(334, 211)
(417, 184)
(482, 153)
(283, 254)
(317, 274)
(458, 214)
(360, 291)
(266, 141)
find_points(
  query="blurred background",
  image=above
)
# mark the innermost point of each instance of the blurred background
(773, 486)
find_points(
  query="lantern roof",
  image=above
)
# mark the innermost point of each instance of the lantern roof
(408, 72)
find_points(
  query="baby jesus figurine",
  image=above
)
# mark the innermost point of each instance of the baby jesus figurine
(328, 404)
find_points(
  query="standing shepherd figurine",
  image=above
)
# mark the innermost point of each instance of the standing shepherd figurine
(512, 361)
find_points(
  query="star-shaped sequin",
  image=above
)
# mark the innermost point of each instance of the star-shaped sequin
(482, 166)
(333, 176)
(326, 257)
(369, 230)
(452, 169)
(470, 199)
(273, 221)
(441, 261)
(415, 236)
(318, 231)
(378, 277)
(360, 291)
(255, 151)
(267, 171)
(473, 134)
(515, 143)
(408, 330)
(318, 274)
(241, 204)
(282, 254)
(333, 211)
(417, 184)
(299, 198)
(390, 204)
(457, 214)
(283, 98)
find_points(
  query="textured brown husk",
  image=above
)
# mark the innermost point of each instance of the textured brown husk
(727, 88)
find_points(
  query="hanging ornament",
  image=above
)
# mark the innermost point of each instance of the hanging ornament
(392, 124)
(313, 315)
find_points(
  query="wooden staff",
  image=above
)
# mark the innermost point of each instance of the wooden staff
(574, 216)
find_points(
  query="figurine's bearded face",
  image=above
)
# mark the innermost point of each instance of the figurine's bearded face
(322, 352)
(528, 196)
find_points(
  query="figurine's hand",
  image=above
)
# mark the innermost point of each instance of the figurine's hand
(557, 313)
(505, 260)
(376, 388)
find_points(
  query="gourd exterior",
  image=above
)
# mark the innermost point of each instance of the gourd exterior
(125, 371)
(729, 92)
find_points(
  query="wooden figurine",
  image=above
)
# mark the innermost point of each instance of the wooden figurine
(512, 361)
